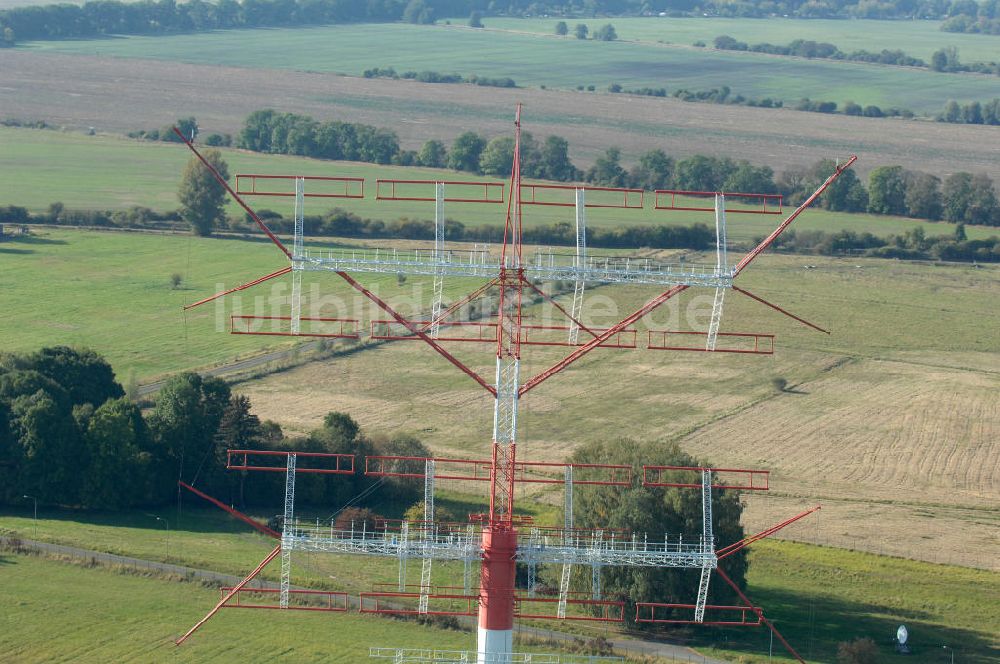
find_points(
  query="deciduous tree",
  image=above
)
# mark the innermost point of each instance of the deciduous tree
(202, 197)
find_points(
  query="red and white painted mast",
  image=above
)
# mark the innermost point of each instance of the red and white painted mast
(496, 589)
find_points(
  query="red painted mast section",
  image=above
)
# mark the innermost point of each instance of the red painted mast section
(496, 591)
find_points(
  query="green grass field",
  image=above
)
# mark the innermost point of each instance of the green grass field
(817, 596)
(57, 612)
(43, 166)
(917, 38)
(533, 60)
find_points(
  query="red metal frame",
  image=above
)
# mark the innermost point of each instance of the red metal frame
(628, 201)
(344, 463)
(674, 193)
(651, 477)
(607, 608)
(345, 181)
(499, 532)
(472, 604)
(478, 470)
(490, 328)
(250, 320)
(757, 348)
(487, 187)
(328, 594)
(651, 618)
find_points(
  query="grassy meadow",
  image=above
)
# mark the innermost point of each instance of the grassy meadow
(533, 60)
(917, 38)
(44, 166)
(58, 612)
(817, 596)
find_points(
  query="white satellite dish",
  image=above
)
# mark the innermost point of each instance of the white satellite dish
(902, 634)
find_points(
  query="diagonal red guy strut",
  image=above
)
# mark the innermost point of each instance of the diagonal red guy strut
(249, 284)
(238, 587)
(548, 298)
(779, 309)
(221, 180)
(730, 549)
(598, 340)
(770, 625)
(766, 242)
(417, 331)
(239, 515)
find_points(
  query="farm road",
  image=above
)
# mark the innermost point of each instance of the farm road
(621, 645)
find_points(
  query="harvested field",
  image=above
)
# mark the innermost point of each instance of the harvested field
(120, 95)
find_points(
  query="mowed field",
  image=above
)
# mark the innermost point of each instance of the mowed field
(122, 95)
(58, 612)
(917, 38)
(893, 418)
(41, 167)
(535, 61)
(112, 292)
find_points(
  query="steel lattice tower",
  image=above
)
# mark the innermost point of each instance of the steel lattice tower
(499, 539)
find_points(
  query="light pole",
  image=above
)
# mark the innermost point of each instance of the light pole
(165, 523)
(34, 524)
(952, 651)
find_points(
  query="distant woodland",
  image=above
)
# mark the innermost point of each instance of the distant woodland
(63, 21)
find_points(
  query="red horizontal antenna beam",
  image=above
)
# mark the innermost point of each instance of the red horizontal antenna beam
(374, 604)
(673, 194)
(229, 510)
(249, 284)
(611, 611)
(536, 380)
(478, 470)
(766, 242)
(232, 192)
(778, 309)
(340, 607)
(753, 480)
(248, 321)
(626, 339)
(253, 177)
(487, 196)
(651, 618)
(343, 463)
(758, 348)
(627, 200)
(420, 333)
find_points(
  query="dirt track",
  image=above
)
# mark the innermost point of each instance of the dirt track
(121, 95)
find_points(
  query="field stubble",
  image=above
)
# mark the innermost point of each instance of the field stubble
(121, 95)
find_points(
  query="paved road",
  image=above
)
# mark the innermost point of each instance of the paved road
(622, 645)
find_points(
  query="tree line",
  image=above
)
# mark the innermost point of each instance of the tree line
(70, 436)
(150, 17)
(962, 197)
